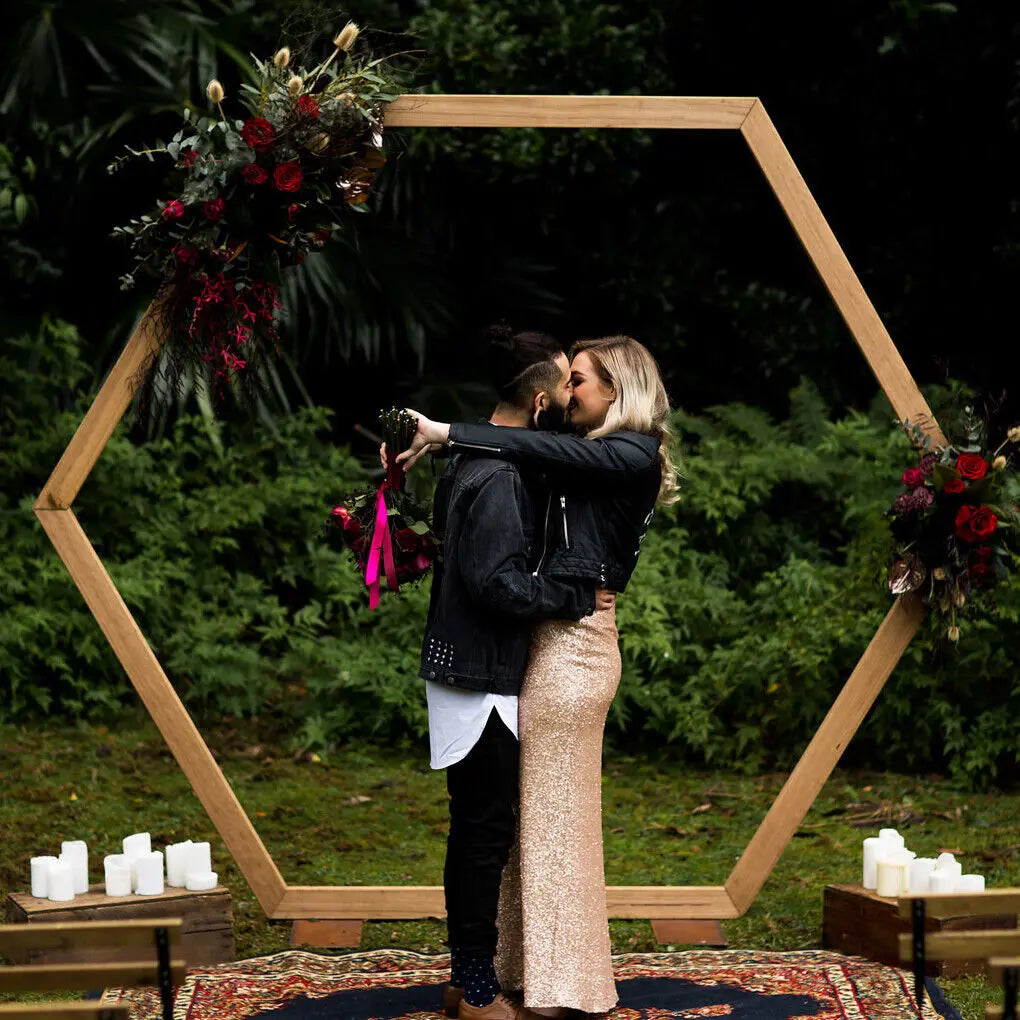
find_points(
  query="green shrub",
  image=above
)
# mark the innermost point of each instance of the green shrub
(752, 602)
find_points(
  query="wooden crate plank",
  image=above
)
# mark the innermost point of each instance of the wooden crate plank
(127, 933)
(991, 901)
(63, 1011)
(963, 945)
(44, 977)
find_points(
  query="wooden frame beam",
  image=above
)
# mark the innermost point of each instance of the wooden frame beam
(744, 114)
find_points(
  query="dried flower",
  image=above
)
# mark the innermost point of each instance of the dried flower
(953, 633)
(939, 573)
(348, 98)
(959, 599)
(1013, 435)
(214, 90)
(319, 142)
(345, 40)
(295, 85)
(282, 57)
(999, 463)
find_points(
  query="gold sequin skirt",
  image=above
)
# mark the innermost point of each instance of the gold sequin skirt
(553, 928)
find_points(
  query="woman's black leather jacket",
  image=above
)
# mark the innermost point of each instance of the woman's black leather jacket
(603, 492)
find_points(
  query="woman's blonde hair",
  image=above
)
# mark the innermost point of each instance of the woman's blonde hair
(641, 404)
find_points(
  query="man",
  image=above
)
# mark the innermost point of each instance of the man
(487, 592)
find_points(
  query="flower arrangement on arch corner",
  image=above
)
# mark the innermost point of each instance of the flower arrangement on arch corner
(388, 532)
(955, 522)
(252, 196)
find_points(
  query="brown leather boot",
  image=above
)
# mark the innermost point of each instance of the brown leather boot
(451, 999)
(501, 1008)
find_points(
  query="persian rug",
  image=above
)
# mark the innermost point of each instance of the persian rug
(393, 984)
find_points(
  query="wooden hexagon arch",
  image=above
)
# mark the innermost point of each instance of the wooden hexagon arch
(283, 901)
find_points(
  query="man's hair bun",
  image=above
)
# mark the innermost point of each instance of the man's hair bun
(511, 356)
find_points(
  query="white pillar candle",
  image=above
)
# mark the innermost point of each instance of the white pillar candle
(76, 853)
(198, 859)
(150, 874)
(970, 883)
(892, 876)
(919, 875)
(199, 881)
(177, 863)
(137, 845)
(940, 881)
(117, 875)
(949, 864)
(59, 881)
(873, 849)
(891, 837)
(38, 869)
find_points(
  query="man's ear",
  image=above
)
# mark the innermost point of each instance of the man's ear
(539, 403)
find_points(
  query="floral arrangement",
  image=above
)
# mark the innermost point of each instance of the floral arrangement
(955, 522)
(252, 196)
(386, 530)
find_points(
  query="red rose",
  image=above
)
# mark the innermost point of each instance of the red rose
(288, 176)
(913, 478)
(971, 466)
(973, 524)
(352, 527)
(255, 174)
(307, 106)
(341, 512)
(258, 133)
(954, 486)
(186, 256)
(188, 158)
(422, 562)
(978, 573)
(981, 554)
(173, 210)
(214, 209)
(292, 211)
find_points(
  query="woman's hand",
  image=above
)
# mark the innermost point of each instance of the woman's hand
(430, 436)
(604, 599)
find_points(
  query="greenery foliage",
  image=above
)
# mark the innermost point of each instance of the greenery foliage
(753, 599)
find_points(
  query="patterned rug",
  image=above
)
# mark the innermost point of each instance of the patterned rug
(391, 984)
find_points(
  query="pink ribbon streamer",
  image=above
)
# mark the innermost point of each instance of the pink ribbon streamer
(381, 544)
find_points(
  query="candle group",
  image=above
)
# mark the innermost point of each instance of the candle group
(139, 869)
(60, 878)
(890, 869)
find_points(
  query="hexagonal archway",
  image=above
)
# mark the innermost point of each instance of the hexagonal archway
(283, 901)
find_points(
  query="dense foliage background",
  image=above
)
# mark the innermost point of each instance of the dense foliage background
(755, 597)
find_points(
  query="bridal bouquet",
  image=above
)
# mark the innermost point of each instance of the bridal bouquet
(955, 522)
(253, 195)
(387, 531)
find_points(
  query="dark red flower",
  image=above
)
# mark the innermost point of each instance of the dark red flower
(307, 107)
(974, 524)
(352, 528)
(288, 176)
(255, 174)
(258, 133)
(981, 553)
(954, 486)
(913, 478)
(214, 209)
(173, 210)
(292, 210)
(979, 573)
(971, 466)
(927, 466)
(185, 255)
(188, 158)
(341, 512)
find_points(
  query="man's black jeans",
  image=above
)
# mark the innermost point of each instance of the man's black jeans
(483, 819)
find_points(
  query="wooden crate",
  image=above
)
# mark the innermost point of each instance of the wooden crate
(207, 934)
(858, 921)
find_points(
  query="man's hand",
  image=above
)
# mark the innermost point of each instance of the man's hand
(604, 599)
(430, 436)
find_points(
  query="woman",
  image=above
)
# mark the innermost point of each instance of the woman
(554, 934)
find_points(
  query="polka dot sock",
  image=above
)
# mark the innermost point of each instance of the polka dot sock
(476, 974)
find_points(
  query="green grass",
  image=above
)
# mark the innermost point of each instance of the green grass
(378, 816)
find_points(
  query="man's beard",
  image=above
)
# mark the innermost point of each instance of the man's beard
(553, 419)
